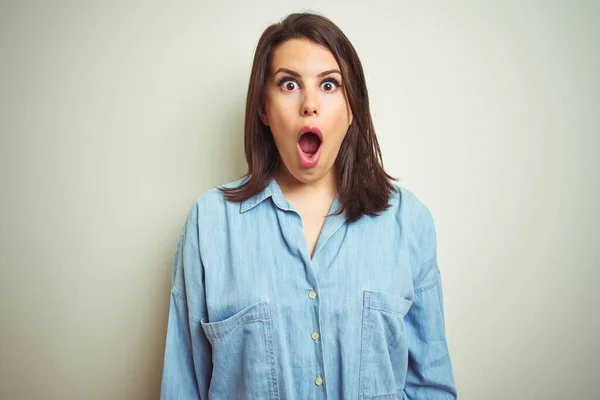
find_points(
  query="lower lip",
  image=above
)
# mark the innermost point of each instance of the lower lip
(305, 160)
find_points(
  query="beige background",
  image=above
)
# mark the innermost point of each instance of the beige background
(114, 116)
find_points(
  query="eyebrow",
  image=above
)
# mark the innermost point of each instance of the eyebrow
(297, 75)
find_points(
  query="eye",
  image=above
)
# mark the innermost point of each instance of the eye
(329, 85)
(288, 84)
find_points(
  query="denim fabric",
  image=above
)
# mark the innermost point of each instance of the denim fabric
(252, 316)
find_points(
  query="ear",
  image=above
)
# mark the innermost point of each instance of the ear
(264, 119)
(263, 115)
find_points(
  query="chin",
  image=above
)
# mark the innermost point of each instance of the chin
(307, 176)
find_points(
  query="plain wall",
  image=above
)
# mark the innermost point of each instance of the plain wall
(115, 116)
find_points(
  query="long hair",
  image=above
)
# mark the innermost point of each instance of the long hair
(363, 185)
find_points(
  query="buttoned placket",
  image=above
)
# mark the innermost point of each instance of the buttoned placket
(311, 266)
(313, 299)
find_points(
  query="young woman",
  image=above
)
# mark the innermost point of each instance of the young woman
(314, 276)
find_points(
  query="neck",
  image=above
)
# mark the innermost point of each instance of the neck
(292, 187)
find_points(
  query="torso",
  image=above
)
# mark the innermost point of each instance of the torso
(368, 266)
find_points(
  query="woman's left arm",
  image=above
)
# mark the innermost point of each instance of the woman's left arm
(429, 368)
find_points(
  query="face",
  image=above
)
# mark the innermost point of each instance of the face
(306, 109)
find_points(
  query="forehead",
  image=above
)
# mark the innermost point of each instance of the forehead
(303, 56)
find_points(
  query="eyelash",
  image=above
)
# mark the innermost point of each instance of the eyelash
(327, 80)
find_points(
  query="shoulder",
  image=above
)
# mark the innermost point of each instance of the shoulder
(417, 222)
(211, 204)
(410, 211)
(213, 197)
(409, 206)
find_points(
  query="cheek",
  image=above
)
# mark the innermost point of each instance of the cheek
(337, 107)
(281, 111)
(281, 123)
(341, 118)
(340, 126)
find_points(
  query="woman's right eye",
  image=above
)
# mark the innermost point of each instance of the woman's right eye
(288, 85)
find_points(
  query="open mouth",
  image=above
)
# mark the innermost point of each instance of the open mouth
(309, 143)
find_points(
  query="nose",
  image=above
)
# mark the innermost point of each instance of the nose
(309, 111)
(309, 104)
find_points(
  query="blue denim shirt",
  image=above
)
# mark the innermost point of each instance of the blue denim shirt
(252, 316)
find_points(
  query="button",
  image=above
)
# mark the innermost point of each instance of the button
(312, 294)
(315, 335)
(319, 381)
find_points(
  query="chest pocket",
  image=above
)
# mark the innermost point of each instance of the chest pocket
(384, 351)
(243, 354)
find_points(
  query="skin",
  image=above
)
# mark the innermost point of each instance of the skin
(308, 99)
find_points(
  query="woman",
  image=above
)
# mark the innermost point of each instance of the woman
(275, 295)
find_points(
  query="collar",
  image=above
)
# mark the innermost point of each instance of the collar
(272, 190)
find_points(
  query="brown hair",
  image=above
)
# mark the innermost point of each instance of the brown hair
(363, 185)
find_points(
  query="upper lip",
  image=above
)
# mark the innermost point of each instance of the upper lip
(309, 128)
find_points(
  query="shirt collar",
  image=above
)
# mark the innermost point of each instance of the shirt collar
(272, 190)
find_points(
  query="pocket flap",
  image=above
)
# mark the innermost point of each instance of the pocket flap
(254, 313)
(386, 302)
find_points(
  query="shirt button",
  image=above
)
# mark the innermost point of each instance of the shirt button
(315, 335)
(312, 294)
(319, 381)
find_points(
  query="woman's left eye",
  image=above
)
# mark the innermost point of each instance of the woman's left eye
(329, 85)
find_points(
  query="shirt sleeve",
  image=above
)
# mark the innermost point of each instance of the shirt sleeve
(430, 373)
(187, 368)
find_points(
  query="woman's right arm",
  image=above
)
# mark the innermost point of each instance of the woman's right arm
(187, 366)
